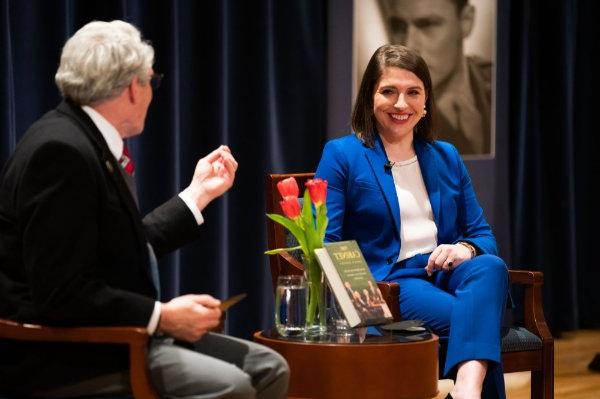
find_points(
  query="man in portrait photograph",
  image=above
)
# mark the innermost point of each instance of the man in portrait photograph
(462, 84)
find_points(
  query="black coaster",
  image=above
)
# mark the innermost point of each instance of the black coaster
(405, 326)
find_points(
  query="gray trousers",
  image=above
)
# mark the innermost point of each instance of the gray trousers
(220, 366)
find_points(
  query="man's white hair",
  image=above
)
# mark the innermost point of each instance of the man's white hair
(101, 59)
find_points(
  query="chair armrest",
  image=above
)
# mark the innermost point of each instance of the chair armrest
(135, 337)
(525, 277)
(532, 304)
(99, 335)
(390, 292)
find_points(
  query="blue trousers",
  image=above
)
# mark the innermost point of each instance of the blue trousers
(464, 307)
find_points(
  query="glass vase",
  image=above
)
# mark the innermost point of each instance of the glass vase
(316, 303)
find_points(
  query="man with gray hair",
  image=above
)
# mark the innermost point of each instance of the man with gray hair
(74, 250)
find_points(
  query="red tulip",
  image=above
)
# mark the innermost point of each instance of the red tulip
(317, 188)
(288, 188)
(290, 206)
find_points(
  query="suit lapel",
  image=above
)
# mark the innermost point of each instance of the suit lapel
(108, 162)
(429, 170)
(107, 159)
(377, 159)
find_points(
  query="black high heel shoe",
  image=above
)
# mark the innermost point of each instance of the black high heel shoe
(449, 396)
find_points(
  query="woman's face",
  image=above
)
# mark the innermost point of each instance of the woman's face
(398, 103)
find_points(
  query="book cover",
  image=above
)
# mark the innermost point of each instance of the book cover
(353, 284)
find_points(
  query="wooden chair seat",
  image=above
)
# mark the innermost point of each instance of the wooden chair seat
(517, 339)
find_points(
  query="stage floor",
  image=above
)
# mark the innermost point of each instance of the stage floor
(573, 351)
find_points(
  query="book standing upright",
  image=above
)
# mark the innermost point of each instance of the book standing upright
(353, 284)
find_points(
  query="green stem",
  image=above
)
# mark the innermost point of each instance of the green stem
(316, 300)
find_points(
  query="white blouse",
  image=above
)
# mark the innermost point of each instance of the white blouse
(418, 232)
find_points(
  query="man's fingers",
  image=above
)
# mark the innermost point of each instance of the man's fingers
(228, 158)
(214, 155)
(222, 152)
(230, 165)
(217, 167)
(206, 300)
(208, 311)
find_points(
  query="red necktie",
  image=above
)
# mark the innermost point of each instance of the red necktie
(126, 161)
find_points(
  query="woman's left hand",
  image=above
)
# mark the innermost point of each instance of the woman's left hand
(447, 257)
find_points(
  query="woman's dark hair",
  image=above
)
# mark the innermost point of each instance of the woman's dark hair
(390, 55)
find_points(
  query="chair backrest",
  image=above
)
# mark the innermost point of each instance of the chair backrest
(283, 263)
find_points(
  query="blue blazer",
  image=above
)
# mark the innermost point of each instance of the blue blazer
(363, 205)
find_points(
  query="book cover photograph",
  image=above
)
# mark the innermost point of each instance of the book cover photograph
(353, 284)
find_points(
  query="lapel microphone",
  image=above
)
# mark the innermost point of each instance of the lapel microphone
(388, 165)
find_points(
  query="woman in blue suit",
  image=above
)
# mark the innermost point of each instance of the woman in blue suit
(409, 203)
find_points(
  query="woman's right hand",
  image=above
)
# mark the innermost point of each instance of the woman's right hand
(447, 257)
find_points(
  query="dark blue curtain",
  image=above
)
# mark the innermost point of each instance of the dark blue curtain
(554, 144)
(247, 74)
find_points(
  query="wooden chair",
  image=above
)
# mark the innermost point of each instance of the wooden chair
(526, 348)
(134, 337)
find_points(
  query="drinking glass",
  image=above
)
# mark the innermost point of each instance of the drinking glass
(290, 305)
(338, 324)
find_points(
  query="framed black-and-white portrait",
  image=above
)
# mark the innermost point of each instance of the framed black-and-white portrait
(457, 39)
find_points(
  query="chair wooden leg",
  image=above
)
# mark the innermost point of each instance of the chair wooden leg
(537, 385)
(542, 387)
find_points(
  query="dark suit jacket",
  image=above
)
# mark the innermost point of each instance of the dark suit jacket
(362, 203)
(73, 249)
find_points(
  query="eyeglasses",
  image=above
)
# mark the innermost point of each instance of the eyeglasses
(155, 80)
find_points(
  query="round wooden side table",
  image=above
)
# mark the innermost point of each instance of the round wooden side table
(385, 366)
